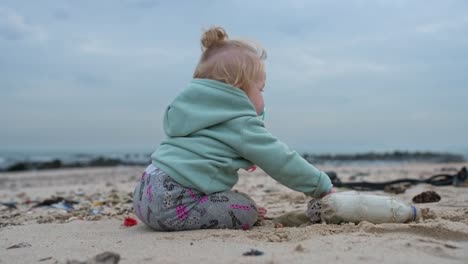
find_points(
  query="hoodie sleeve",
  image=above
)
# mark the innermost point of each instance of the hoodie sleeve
(281, 163)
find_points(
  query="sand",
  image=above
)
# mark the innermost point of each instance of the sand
(51, 235)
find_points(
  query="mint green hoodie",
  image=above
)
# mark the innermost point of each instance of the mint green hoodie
(212, 131)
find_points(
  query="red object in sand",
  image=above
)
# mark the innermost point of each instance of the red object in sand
(252, 169)
(129, 221)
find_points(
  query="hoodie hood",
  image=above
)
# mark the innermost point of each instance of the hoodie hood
(205, 103)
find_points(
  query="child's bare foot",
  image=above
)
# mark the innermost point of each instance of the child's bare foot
(261, 213)
(279, 225)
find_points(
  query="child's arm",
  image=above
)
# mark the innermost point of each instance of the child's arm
(281, 163)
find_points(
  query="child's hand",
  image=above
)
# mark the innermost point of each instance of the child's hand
(332, 190)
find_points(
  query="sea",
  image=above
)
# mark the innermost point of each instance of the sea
(133, 155)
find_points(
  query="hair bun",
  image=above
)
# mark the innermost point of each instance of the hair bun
(213, 37)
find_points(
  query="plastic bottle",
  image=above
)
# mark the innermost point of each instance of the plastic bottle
(356, 207)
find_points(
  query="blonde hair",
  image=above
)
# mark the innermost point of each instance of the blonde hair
(234, 62)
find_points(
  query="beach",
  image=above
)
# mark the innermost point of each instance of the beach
(47, 234)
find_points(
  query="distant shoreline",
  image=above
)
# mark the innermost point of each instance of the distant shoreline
(95, 160)
(394, 156)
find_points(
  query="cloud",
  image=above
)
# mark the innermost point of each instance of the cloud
(61, 14)
(141, 3)
(146, 55)
(331, 65)
(443, 25)
(91, 79)
(14, 26)
(309, 65)
(96, 48)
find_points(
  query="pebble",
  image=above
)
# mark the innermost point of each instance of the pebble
(89, 207)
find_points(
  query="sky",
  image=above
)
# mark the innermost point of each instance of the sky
(342, 76)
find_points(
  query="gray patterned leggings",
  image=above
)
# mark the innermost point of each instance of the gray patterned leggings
(165, 205)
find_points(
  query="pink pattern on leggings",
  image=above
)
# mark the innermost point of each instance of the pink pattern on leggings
(192, 194)
(143, 176)
(149, 193)
(204, 199)
(241, 207)
(181, 212)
